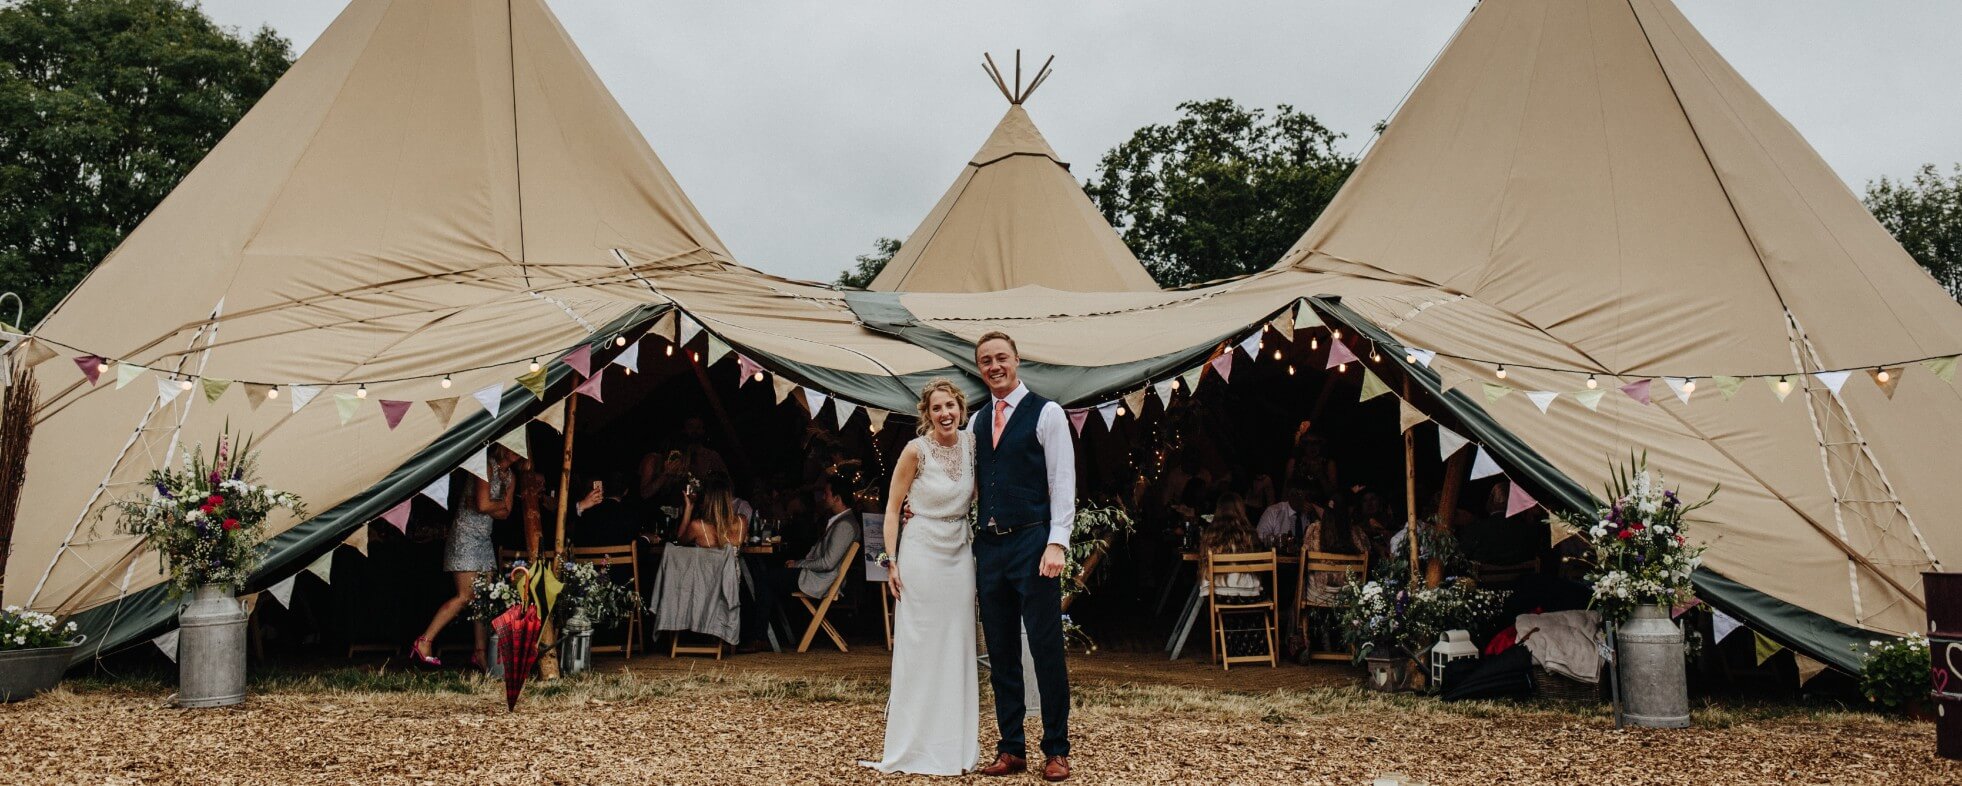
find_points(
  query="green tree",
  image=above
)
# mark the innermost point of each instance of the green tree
(869, 265)
(104, 106)
(1222, 191)
(1925, 214)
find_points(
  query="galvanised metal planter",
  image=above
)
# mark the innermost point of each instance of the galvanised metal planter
(27, 673)
(211, 649)
(1654, 681)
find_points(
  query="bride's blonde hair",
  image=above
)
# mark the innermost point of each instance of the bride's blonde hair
(938, 385)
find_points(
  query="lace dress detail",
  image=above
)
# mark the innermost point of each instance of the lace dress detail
(944, 487)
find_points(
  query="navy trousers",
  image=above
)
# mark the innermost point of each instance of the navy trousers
(1013, 595)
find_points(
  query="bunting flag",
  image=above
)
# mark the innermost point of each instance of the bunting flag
(1408, 416)
(535, 382)
(357, 540)
(1251, 345)
(580, 359)
(1108, 411)
(439, 490)
(1807, 667)
(1681, 387)
(553, 416)
(444, 408)
(1781, 391)
(168, 643)
(1886, 385)
(689, 329)
(1727, 385)
(1077, 418)
(1944, 368)
(398, 517)
(1483, 466)
(1190, 379)
(746, 369)
(1518, 501)
(392, 412)
(37, 352)
(282, 593)
(302, 395)
(629, 358)
(1372, 386)
(665, 327)
(491, 397)
(347, 404)
(1764, 648)
(717, 349)
(1223, 366)
(255, 394)
(91, 367)
(782, 387)
(1449, 443)
(1305, 317)
(127, 372)
(842, 410)
(1495, 391)
(214, 388)
(1164, 390)
(1833, 380)
(1638, 390)
(323, 567)
(1135, 402)
(591, 387)
(1543, 398)
(1284, 325)
(514, 441)
(1338, 354)
(813, 401)
(876, 418)
(478, 463)
(1722, 625)
(167, 389)
(1677, 611)
(1590, 399)
(1423, 356)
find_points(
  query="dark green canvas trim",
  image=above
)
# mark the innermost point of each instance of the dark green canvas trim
(1825, 640)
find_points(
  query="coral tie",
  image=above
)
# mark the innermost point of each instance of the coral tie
(1001, 419)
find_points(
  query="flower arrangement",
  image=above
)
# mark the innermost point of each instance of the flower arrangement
(1896, 672)
(21, 629)
(590, 588)
(1433, 543)
(1095, 527)
(884, 560)
(493, 593)
(1641, 554)
(206, 518)
(1383, 618)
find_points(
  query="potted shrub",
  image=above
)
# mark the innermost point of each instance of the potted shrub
(590, 600)
(1895, 673)
(34, 651)
(207, 519)
(492, 594)
(1388, 626)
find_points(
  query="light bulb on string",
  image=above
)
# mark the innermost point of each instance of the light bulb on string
(446, 382)
(185, 384)
(758, 377)
(1120, 411)
(619, 341)
(1784, 385)
(1277, 354)
(1335, 333)
(1342, 368)
(1501, 372)
(1314, 342)
(1882, 375)
(272, 392)
(694, 356)
(1592, 383)
(534, 364)
(1373, 356)
(1175, 384)
(670, 350)
(1689, 386)
(361, 392)
(1290, 369)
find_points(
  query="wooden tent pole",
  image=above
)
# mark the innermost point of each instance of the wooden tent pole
(1410, 488)
(1455, 472)
(565, 471)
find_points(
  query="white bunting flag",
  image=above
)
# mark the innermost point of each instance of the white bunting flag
(323, 567)
(1190, 379)
(1722, 624)
(1833, 380)
(167, 643)
(491, 397)
(1449, 443)
(168, 389)
(439, 490)
(1483, 466)
(1305, 317)
(1164, 391)
(1590, 399)
(282, 593)
(1408, 416)
(553, 416)
(1251, 345)
(718, 349)
(1542, 398)
(127, 372)
(1423, 356)
(1108, 411)
(1681, 387)
(814, 401)
(301, 395)
(628, 358)
(689, 329)
(876, 418)
(478, 463)
(843, 410)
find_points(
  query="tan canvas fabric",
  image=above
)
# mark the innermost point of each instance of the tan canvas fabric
(1015, 217)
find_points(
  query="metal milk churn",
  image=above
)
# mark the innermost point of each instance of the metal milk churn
(1654, 682)
(211, 649)
(576, 644)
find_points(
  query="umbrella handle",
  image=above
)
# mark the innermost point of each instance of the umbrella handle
(525, 593)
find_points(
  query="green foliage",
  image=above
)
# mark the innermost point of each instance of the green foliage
(869, 265)
(1896, 671)
(1222, 191)
(1925, 215)
(104, 106)
(21, 629)
(206, 519)
(591, 589)
(1093, 530)
(1381, 618)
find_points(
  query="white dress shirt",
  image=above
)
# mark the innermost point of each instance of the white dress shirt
(1058, 452)
(1277, 522)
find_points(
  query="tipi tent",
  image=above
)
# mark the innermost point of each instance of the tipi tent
(1015, 217)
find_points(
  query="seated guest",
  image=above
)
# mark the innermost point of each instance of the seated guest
(1260, 492)
(1335, 533)
(1287, 519)
(1228, 533)
(709, 515)
(603, 516)
(813, 574)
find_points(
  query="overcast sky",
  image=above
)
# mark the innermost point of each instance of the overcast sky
(804, 130)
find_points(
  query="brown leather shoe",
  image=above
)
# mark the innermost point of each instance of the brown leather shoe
(1006, 764)
(1056, 768)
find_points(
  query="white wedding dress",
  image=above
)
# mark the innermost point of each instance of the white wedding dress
(933, 717)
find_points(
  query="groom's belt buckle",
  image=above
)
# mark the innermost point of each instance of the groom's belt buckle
(995, 528)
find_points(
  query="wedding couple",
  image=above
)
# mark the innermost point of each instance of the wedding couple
(1014, 457)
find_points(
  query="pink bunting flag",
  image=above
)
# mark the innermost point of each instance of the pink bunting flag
(1338, 354)
(747, 368)
(399, 516)
(1518, 501)
(1077, 418)
(580, 360)
(392, 411)
(1638, 390)
(590, 388)
(91, 367)
(1223, 366)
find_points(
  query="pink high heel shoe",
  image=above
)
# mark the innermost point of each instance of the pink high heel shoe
(418, 650)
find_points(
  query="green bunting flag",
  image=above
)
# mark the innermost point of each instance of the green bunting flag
(1494, 392)
(348, 404)
(213, 388)
(535, 382)
(1764, 647)
(717, 349)
(1727, 385)
(515, 441)
(1372, 386)
(1943, 367)
(1305, 317)
(1590, 399)
(1780, 386)
(1190, 379)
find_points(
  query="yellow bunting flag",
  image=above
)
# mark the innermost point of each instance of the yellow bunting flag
(1494, 392)
(1886, 379)
(535, 382)
(514, 440)
(213, 388)
(1372, 386)
(1765, 647)
(443, 407)
(358, 540)
(1590, 399)
(1943, 367)
(348, 404)
(1408, 416)
(1727, 385)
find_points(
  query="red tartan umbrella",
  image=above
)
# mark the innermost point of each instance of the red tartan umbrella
(517, 638)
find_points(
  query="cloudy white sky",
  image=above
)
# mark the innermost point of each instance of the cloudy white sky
(804, 130)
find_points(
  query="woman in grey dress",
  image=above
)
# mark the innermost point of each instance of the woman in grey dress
(468, 551)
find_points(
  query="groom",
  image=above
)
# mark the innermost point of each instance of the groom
(1025, 474)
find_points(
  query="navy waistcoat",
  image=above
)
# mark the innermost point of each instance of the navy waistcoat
(1013, 477)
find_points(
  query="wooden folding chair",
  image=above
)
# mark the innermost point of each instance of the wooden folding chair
(885, 608)
(616, 556)
(1257, 562)
(1315, 563)
(508, 556)
(823, 605)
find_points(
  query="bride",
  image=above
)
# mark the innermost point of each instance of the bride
(933, 715)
